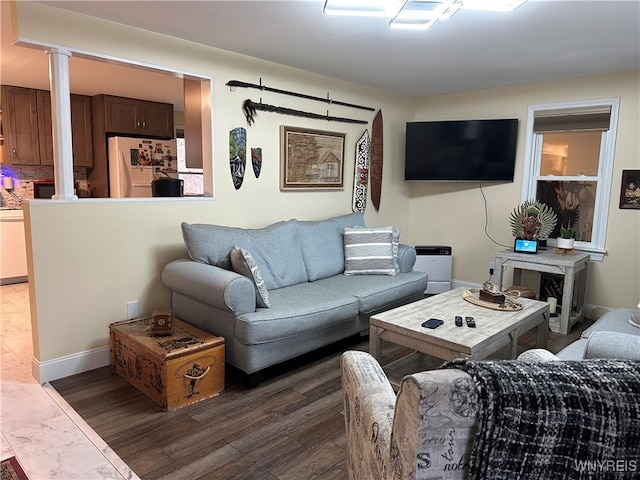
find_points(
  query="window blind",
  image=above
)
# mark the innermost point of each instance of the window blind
(564, 120)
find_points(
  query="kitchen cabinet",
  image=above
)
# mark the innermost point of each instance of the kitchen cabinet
(45, 128)
(13, 250)
(81, 142)
(20, 126)
(113, 116)
(129, 116)
(28, 129)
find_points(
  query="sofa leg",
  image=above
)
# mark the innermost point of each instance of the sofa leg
(252, 380)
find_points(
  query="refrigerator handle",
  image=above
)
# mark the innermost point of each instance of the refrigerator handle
(127, 175)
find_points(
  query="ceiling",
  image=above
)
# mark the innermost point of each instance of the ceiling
(543, 40)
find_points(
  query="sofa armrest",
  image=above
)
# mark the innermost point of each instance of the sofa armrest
(211, 285)
(434, 425)
(406, 257)
(621, 346)
(368, 411)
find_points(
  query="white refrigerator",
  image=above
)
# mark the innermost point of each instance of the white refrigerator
(135, 162)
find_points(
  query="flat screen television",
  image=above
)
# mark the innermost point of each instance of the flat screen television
(461, 151)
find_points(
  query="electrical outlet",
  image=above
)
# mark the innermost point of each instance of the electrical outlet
(492, 265)
(132, 309)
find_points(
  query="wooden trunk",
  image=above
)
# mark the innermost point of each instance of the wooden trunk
(172, 370)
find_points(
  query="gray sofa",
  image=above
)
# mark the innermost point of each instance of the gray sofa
(611, 336)
(301, 265)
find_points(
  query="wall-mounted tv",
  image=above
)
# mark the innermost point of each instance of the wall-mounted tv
(461, 151)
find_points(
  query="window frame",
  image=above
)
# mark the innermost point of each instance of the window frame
(532, 162)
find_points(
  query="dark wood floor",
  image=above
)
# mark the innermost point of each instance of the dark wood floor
(290, 427)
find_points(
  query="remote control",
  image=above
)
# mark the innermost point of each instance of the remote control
(458, 321)
(471, 323)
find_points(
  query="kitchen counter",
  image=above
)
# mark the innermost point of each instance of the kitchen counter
(11, 213)
(13, 250)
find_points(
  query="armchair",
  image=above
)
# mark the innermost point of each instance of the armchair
(498, 420)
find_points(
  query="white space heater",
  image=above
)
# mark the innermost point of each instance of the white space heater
(436, 262)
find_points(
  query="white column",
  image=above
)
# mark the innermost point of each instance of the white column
(61, 123)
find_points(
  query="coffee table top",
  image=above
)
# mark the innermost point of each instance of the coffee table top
(492, 326)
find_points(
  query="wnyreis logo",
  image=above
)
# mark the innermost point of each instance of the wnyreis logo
(606, 465)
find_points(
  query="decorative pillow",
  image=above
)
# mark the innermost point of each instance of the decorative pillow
(371, 251)
(244, 264)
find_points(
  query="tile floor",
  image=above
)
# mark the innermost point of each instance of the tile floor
(48, 437)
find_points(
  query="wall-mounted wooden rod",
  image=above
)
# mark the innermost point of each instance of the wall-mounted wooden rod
(250, 107)
(237, 83)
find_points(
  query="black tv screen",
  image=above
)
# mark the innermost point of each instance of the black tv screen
(461, 150)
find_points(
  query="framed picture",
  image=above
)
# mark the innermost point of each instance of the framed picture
(311, 159)
(630, 189)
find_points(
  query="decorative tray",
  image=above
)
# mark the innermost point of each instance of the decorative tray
(473, 296)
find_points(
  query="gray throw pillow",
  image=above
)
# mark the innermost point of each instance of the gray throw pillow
(371, 251)
(244, 264)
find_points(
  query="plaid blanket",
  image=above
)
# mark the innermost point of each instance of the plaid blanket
(556, 420)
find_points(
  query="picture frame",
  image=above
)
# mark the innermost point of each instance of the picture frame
(630, 190)
(311, 159)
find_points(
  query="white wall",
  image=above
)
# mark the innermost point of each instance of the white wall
(89, 257)
(614, 282)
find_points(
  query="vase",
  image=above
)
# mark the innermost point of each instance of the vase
(566, 243)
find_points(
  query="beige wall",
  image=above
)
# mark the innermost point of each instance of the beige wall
(454, 214)
(89, 257)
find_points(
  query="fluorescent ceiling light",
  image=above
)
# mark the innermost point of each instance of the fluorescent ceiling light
(420, 14)
(414, 14)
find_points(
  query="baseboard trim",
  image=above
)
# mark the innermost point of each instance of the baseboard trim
(50, 370)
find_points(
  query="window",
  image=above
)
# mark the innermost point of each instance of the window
(569, 164)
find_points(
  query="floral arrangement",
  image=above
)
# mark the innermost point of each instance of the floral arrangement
(532, 220)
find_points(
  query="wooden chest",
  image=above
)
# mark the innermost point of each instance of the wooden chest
(172, 370)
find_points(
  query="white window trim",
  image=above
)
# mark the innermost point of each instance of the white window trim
(533, 145)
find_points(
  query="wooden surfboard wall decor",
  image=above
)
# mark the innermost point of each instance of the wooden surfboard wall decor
(376, 160)
(361, 174)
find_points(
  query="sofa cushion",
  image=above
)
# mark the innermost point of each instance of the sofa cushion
(616, 320)
(323, 245)
(244, 264)
(276, 249)
(371, 251)
(376, 291)
(295, 310)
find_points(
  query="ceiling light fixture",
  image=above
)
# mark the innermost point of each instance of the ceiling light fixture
(414, 14)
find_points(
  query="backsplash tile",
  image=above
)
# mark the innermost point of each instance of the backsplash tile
(23, 177)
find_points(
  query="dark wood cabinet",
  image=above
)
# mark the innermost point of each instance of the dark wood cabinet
(28, 128)
(45, 128)
(20, 126)
(128, 116)
(82, 141)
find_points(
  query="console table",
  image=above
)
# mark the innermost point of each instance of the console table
(572, 267)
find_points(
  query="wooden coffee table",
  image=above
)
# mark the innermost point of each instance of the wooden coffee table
(494, 329)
